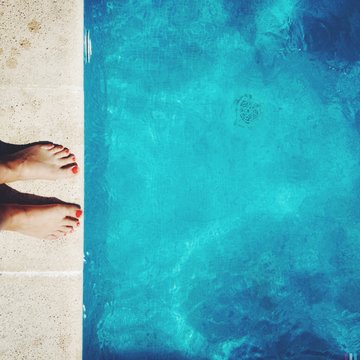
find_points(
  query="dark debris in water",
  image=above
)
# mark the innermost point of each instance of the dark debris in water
(247, 111)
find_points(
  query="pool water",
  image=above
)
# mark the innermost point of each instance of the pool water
(222, 180)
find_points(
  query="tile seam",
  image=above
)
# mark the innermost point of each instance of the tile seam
(61, 87)
(41, 273)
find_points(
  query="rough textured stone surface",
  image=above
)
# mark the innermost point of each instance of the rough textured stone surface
(40, 43)
(41, 98)
(40, 316)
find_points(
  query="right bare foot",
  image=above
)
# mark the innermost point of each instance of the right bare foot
(41, 221)
(38, 161)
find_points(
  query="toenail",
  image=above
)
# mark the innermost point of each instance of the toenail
(78, 223)
(73, 158)
(75, 169)
(78, 213)
(67, 151)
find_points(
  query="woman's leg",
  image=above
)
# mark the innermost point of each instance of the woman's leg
(38, 161)
(41, 221)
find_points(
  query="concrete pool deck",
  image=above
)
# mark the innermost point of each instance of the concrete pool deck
(41, 81)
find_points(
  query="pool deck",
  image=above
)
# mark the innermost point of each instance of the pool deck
(41, 81)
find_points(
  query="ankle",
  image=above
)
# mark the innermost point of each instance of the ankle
(9, 170)
(8, 216)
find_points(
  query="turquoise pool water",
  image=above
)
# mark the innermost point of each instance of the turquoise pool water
(222, 180)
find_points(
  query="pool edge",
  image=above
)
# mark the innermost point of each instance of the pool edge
(42, 97)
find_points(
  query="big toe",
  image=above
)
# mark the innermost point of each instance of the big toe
(70, 169)
(72, 211)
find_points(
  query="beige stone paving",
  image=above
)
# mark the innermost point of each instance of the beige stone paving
(41, 98)
(40, 317)
(39, 42)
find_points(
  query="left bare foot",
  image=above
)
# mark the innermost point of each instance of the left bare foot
(39, 161)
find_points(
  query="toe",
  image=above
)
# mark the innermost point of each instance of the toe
(78, 213)
(67, 160)
(56, 148)
(67, 229)
(60, 233)
(72, 212)
(51, 237)
(47, 146)
(62, 153)
(71, 222)
(75, 169)
(71, 169)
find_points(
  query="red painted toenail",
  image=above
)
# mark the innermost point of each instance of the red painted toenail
(78, 213)
(75, 169)
(73, 158)
(78, 223)
(67, 151)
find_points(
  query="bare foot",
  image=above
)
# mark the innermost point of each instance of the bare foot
(39, 161)
(41, 221)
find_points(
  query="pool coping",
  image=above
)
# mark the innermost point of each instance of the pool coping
(42, 98)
